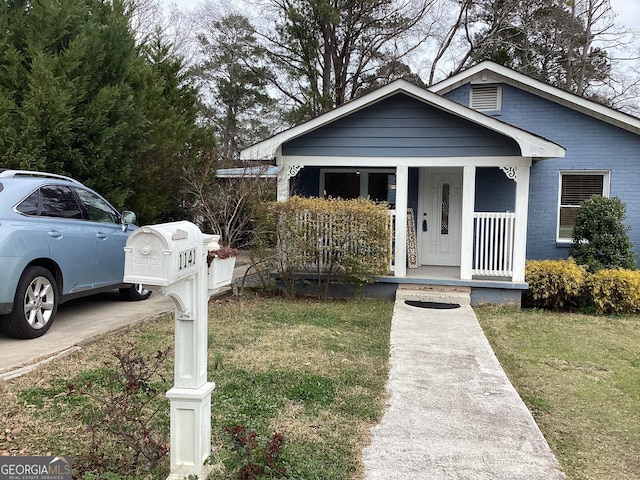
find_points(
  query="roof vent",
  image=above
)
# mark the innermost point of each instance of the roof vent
(486, 97)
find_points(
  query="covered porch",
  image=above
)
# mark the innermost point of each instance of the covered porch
(435, 221)
(456, 180)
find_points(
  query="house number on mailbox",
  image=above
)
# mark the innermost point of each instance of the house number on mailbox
(187, 258)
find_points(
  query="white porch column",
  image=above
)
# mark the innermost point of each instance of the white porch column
(285, 173)
(282, 188)
(402, 191)
(468, 206)
(520, 234)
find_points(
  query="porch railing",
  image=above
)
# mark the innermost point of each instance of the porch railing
(493, 243)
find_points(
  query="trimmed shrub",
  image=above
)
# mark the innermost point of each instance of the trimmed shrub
(554, 284)
(339, 240)
(614, 291)
(600, 238)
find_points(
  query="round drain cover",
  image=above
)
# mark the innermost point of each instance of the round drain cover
(436, 305)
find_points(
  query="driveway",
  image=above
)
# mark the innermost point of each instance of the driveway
(78, 322)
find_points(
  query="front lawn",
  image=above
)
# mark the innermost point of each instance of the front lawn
(313, 372)
(580, 377)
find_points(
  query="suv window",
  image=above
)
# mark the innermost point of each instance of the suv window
(97, 209)
(29, 206)
(59, 201)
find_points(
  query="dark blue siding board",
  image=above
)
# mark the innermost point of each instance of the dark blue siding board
(405, 127)
(591, 145)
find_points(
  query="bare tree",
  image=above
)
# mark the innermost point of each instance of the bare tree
(229, 207)
(561, 43)
(327, 52)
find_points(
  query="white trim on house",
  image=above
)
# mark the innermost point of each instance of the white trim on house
(517, 168)
(530, 145)
(392, 162)
(488, 73)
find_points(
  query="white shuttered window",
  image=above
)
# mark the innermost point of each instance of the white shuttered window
(576, 187)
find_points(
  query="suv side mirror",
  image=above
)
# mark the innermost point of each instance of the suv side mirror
(128, 218)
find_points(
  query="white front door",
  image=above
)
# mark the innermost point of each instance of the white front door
(440, 216)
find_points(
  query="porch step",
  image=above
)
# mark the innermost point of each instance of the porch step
(435, 293)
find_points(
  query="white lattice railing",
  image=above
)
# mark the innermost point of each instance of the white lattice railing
(493, 243)
(322, 246)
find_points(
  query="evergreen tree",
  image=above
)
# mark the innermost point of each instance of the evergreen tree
(79, 96)
(173, 140)
(67, 91)
(235, 74)
(600, 237)
(327, 52)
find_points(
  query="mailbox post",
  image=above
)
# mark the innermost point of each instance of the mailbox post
(173, 256)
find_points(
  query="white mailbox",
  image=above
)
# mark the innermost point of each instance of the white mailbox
(163, 254)
(172, 256)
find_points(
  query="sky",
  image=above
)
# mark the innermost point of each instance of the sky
(628, 11)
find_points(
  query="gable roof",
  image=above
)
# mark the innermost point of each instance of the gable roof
(530, 145)
(488, 72)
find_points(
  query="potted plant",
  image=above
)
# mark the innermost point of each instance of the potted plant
(221, 262)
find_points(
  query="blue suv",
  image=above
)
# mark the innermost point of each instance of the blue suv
(58, 240)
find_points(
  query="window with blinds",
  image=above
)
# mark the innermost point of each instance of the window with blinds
(377, 185)
(345, 185)
(486, 97)
(574, 189)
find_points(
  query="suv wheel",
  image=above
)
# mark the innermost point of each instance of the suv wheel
(35, 304)
(135, 292)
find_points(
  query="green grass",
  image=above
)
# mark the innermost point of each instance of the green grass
(315, 372)
(580, 377)
(312, 371)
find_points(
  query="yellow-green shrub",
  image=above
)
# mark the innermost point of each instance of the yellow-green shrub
(347, 240)
(554, 284)
(614, 291)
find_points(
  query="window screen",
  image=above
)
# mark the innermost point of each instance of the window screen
(382, 187)
(345, 185)
(574, 190)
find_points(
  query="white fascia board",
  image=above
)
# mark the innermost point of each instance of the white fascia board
(503, 74)
(393, 162)
(530, 145)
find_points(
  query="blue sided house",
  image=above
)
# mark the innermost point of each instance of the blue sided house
(481, 171)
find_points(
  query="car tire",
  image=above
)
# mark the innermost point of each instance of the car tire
(35, 304)
(135, 293)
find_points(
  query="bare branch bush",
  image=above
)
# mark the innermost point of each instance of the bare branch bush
(229, 207)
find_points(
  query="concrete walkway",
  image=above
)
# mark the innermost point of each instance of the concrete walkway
(452, 413)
